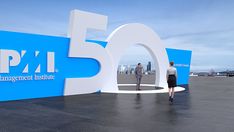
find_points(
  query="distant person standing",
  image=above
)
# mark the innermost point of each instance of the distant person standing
(171, 80)
(138, 74)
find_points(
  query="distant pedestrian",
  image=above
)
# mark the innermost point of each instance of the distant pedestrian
(171, 80)
(138, 74)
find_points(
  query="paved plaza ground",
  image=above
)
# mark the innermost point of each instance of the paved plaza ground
(207, 106)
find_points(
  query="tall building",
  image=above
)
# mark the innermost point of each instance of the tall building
(149, 66)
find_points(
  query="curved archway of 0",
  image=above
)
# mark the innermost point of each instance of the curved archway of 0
(129, 35)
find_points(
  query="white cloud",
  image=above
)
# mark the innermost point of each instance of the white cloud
(209, 50)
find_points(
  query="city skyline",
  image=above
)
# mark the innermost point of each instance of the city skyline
(205, 27)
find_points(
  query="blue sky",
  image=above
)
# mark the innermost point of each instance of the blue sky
(204, 26)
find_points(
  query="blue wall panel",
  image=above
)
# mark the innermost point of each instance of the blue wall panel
(64, 67)
(181, 59)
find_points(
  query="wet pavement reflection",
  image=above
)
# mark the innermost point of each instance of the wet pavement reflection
(196, 109)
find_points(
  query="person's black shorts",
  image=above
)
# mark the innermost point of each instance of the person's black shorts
(171, 81)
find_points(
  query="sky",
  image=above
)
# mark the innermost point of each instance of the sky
(204, 26)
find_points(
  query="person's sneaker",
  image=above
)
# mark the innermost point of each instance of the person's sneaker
(172, 100)
(169, 98)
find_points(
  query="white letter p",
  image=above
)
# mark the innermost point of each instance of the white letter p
(8, 58)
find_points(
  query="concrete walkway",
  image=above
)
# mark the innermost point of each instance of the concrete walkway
(207, 106)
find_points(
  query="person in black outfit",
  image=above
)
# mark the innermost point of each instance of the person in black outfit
(171, 80)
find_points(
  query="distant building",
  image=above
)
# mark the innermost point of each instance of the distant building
(121, 69)
(230, 74)
(203, 74)
(226, 73)
(222, 74)
(193, 74)
(213, 73)
(149, 66)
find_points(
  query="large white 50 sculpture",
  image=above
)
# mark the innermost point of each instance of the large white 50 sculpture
(109, 57)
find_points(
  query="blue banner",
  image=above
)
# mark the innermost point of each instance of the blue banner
(34, 66)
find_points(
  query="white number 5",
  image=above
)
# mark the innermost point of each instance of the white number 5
(79, 23)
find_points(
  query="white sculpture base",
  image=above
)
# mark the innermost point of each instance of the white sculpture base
(164, 90)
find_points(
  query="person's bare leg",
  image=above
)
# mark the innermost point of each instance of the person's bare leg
(169, 92)
(172, 92)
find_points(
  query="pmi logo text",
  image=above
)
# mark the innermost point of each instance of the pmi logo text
(12, 58)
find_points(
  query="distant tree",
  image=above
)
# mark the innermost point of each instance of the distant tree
(211, 72)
